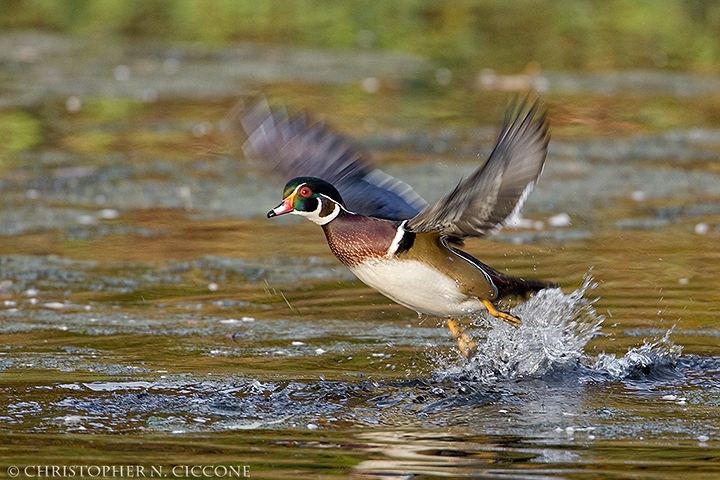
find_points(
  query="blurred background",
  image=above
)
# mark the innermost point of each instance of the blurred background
(462, 35)
(137, 92)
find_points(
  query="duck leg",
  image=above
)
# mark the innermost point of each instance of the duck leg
(514, 321)
(465, 343)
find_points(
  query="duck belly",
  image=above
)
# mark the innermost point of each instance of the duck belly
(417, 286)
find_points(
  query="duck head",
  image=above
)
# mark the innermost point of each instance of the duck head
(312, 198)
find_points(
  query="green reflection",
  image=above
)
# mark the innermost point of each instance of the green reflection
(19, 131)
(583, 35)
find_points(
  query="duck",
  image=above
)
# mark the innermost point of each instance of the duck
(386, 234)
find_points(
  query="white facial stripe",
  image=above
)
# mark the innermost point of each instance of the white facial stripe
(332, 215)
(295, 192)
(315, 214)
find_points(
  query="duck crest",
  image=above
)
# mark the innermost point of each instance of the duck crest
(356, 238)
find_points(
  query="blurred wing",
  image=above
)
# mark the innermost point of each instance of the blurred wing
(480, 203)
(292, 147)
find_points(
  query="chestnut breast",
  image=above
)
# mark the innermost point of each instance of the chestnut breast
(356, 238)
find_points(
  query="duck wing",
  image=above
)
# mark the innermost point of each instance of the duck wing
(295, 147)
(480, 203)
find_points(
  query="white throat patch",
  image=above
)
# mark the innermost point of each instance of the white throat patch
(315, 214)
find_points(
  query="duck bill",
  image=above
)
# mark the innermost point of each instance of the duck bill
(282, 209)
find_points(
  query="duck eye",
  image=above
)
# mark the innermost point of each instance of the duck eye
(305, 192)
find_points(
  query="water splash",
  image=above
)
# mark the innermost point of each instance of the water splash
(648, 361)
(556, 328)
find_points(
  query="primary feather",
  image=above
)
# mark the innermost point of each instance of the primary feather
(482, 202)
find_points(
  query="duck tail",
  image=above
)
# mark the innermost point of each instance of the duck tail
(514, 286)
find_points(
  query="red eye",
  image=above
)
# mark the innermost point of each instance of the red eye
(305, 192)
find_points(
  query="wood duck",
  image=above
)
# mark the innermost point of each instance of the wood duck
(385, 233)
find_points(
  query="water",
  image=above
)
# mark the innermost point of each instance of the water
(332, 374)
(150, 316)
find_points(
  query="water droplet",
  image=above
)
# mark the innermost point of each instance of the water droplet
(560, 220)
(54, 305)
(638, 195)
(109, 214)
(73, 104)
(370, 84)
(86, 219)
(702, 228)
